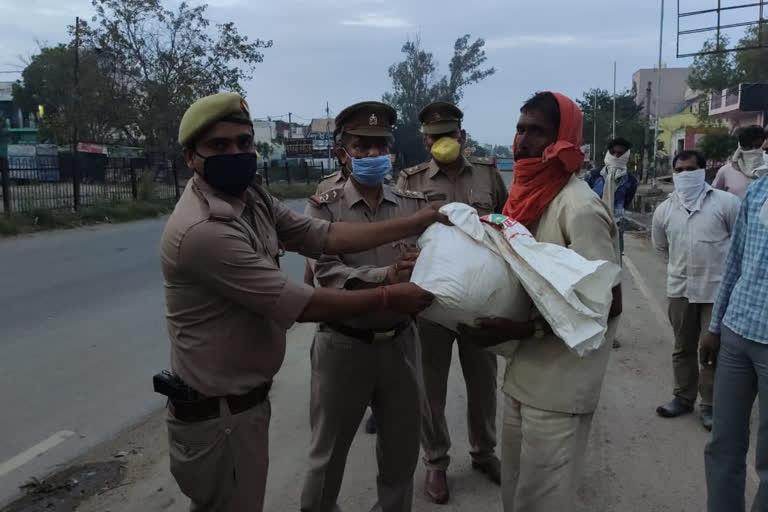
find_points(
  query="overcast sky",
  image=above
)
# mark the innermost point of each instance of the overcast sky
(339, 50)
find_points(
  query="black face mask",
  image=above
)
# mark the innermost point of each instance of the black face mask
(230, 174)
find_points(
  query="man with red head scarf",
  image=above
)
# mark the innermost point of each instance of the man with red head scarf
(550, 392)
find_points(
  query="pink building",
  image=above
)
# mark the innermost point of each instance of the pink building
(743, 105)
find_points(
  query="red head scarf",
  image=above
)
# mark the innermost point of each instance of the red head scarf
(538, 180)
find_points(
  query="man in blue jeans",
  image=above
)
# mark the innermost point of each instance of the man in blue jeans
(738, 341)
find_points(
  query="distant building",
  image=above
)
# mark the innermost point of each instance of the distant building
(321, 133)
(674, 89)
(743, 105)
(262, 131)
(12, 114)
(284, 130)
(680, 130)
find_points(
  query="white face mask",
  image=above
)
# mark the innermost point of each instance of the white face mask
(689, 187)
(749, 160)
(616, 162)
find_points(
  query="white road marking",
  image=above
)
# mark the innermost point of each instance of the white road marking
(40, 448)
(664, 321)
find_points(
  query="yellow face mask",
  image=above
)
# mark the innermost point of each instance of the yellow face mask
(446, 150)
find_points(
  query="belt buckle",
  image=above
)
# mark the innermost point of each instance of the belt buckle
(384, 336)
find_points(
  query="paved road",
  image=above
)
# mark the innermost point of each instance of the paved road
(81, 333)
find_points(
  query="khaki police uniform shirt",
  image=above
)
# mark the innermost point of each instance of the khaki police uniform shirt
(478, 184)
(333, 180)
(544, 373)
(366, 269)
(228, 303)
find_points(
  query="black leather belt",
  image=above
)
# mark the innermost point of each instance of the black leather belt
(208, 408)
(370, 335)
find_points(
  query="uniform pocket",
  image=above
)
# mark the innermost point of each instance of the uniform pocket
(200, 460)
(482, 202)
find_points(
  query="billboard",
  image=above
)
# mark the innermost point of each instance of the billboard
(725, 22)
(298, 148)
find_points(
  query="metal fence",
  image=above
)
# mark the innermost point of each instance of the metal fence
(31, 188)
(301, 173)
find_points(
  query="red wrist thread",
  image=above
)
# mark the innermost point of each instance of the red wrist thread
(384, 292)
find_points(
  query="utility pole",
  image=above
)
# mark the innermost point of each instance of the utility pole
(613, 125)
(594, 130)
(658, 93)
(644, 161)
(328, 133)
(290, 126)
(75, 118)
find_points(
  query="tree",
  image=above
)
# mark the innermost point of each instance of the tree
(49, 80)
(414, 85)
(265, 149)
(752, 65)
(167, 59)
(502, 151)
(717, 145)
(713, 72)
(630, 123)
(477, 148)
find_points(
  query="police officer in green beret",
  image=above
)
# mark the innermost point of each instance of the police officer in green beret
(229, 304)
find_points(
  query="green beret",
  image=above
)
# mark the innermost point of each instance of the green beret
(208, 110)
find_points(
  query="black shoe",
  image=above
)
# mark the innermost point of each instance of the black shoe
(490, 468)
(677, 407)
(616, 343)
(705, 415)
(370, 424)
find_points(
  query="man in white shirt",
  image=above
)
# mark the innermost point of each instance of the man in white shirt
(693, 229)
(746, 165)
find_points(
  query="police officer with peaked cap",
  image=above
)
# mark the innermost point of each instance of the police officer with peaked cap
(373, 358)
(450, 176)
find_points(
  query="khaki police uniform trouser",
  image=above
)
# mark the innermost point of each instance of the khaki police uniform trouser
(479, 367)
(347, 375)
(542, 458)
(690, 323)
(221, 464)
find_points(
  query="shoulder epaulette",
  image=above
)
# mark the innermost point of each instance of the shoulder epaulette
(410, 194)
(331, 196)
(334, 174)
(480, 160)
(410, 171)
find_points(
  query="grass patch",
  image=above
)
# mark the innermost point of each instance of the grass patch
(44, 220)
(292, 190)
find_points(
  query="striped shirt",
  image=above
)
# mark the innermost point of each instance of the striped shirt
(742, 302)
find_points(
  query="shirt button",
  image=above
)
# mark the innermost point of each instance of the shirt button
(227, 431)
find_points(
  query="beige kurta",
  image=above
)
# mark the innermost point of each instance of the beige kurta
(544, 373)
